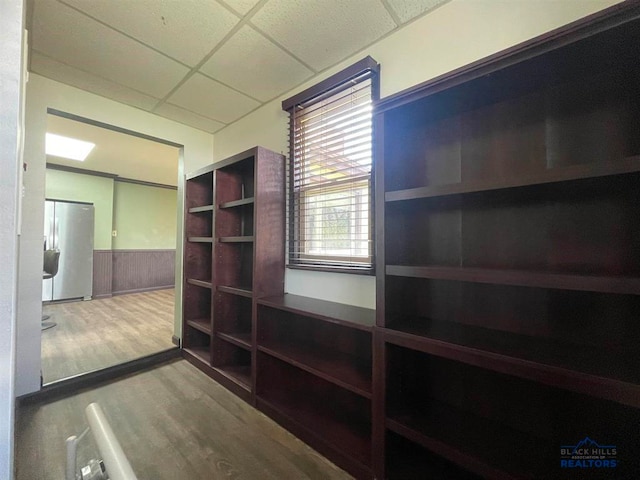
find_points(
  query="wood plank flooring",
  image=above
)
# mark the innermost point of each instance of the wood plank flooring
(101, 333)
(174, 423)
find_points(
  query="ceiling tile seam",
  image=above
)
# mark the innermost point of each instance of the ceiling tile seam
(195, 113)
(88, 73)
(238, 14)
(392, 12)
(243, 21)
(231, 87)
(129, 88)
(124, 34)
(281, 47)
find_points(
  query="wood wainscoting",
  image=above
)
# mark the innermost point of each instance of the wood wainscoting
(116, 272)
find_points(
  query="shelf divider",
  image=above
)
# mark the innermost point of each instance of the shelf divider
(339, 369)
(522, 278)
(554, 175)
(202, 209)
(239, 239)
(242, 291)
(198, 283)
(238, 203)
(242, 340)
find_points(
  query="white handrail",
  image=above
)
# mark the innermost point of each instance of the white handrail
(113, 456)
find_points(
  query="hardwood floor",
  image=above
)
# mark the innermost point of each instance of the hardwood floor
(174, 423)
(100, 333)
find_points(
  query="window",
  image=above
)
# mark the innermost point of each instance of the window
(330, 171)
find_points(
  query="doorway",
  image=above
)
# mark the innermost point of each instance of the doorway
(130, 182)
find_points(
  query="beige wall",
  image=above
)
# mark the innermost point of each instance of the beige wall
(62, 185)
(144, 217)
(43, 93)
(458, 33)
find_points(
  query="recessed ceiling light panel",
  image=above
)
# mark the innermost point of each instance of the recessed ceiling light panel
(66, 147)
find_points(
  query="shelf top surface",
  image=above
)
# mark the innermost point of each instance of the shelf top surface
(349, 315)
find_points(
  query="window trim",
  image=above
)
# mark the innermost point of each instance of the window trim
(315, 93)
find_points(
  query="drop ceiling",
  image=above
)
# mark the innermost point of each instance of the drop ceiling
(203, 63)
(116, 153)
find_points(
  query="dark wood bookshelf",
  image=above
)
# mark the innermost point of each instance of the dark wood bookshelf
(339, 313)
(433, 427)
(245, 195)
(335, 367)
(330, 418)
(240, 374)
(508, 257)
(238, 203)
(523, 278)
(310, 349)
(583, 369)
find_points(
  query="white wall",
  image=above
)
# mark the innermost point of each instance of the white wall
(454, 35)
(11, 21)
(43, 93)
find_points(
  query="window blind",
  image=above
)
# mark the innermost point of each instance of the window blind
(330, 202)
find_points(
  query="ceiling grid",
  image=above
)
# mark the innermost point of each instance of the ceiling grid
(205, 64)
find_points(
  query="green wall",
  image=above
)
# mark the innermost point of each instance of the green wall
(62, 185)
(145, 217)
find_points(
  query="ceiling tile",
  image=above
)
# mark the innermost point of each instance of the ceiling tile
(194, 120)
(408, 9)
(60, 72)
(241, 6)
(186, 30)
(72, 38)
(211, 99)
(323, 33)
(255, 66)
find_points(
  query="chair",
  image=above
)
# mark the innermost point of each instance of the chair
(50, 269)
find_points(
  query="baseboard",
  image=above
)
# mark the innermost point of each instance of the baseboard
(175, 340)
(78, 383)
(141, 290)
(104, 295)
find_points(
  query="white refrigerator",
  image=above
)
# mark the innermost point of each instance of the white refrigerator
(68, 227)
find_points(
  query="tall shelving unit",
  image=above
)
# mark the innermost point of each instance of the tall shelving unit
(508, 260)
(234, 254)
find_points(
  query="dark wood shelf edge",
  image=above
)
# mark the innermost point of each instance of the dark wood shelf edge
(234, 339)
(197, 355)
(318, 373)
(200, 239)
(239, 239)
(243, 292)
(316, 308)
(238, 203)
(328, 449)
(198, 283)
(521, 278)
(593, 385)
(200, 325)
(230, 383)
(203, 208)
(561, 174)
(468, 462)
